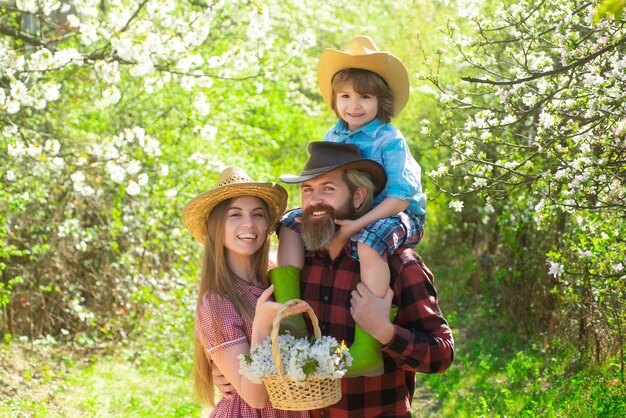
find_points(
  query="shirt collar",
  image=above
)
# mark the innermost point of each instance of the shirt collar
(371, 129)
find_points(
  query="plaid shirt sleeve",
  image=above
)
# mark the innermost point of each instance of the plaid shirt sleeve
(422, 340)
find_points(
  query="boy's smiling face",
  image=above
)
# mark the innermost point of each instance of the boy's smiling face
(356, 109)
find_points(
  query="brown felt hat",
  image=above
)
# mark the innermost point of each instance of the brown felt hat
(233, 183)
(362, 53)
(329, 156)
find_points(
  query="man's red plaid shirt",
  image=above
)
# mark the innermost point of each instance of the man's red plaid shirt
(422, 341)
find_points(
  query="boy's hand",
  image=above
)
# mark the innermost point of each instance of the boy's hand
(348, 228)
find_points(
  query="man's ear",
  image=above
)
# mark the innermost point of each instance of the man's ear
(359, 196)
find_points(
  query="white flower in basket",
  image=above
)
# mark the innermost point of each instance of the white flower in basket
(298, 373)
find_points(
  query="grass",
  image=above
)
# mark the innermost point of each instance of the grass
(111, 388)
(108, 386)
(495, 376)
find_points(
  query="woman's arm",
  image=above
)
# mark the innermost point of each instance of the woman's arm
(227, 361)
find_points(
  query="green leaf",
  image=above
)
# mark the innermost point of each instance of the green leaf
(608, 8)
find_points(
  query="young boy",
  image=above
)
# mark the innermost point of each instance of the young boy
(365, 88)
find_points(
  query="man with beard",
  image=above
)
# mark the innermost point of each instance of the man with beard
(338, 184)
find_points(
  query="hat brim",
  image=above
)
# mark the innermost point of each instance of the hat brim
(385, 64)
(199, 208)
(375, 170)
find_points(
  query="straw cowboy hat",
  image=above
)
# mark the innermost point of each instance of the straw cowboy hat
(328, 156)
(233, 183)
(362, 53)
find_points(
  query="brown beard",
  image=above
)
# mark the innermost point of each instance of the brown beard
(317, 234)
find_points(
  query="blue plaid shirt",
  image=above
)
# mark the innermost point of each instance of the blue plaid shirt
(384, 144)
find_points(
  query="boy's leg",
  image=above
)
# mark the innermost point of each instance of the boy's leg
(286, 277)
(367, 359)
(290, 248)
(374, 270)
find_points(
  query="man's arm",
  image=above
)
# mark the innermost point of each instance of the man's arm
(421, 340)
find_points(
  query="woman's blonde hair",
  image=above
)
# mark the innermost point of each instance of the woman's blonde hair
(217, 278)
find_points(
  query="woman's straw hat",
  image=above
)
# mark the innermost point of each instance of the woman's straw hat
(233, 183)
(362, 53)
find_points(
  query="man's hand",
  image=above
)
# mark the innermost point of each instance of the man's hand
(221, 383)
(372, 313)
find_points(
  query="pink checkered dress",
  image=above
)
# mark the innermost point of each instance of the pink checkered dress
(234, 329)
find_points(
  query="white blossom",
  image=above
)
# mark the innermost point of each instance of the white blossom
(33, 150)
(202, 106)
(133, 167)
(556, 269)
(58, 162)
(29, 6)
(12, 106)
(108, 71)
(116, 172)
(52, 146)
(142, 179)
(133, 188)
(457, 205)
(78, 177)
(324, 357)
(208, 132)
(19, 92)
(111, 95)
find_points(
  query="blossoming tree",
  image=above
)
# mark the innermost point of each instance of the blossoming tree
(536, 130)
(111, 115)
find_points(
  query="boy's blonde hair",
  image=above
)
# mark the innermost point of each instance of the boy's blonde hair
(364, 82)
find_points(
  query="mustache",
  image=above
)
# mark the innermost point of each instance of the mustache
(319, 208)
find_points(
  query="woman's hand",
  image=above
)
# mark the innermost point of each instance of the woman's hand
(265, 313)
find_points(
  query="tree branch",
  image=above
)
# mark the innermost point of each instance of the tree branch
(547, 73)
(16, 34)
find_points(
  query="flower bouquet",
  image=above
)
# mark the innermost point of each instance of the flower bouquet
(299, 374)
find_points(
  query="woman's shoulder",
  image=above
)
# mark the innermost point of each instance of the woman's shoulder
(212, 303)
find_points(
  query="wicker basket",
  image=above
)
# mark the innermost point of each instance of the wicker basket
(301, 395)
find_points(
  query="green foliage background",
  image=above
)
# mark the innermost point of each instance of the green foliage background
(97, 291)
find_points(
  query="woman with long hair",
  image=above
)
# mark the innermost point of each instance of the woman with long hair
(235, 310)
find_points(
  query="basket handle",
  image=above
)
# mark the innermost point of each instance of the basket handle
(276, 326)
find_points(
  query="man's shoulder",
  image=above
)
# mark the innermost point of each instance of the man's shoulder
(404, 256)
(405, 262)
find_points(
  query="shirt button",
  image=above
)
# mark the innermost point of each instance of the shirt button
(330, 267)
(326, 298)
